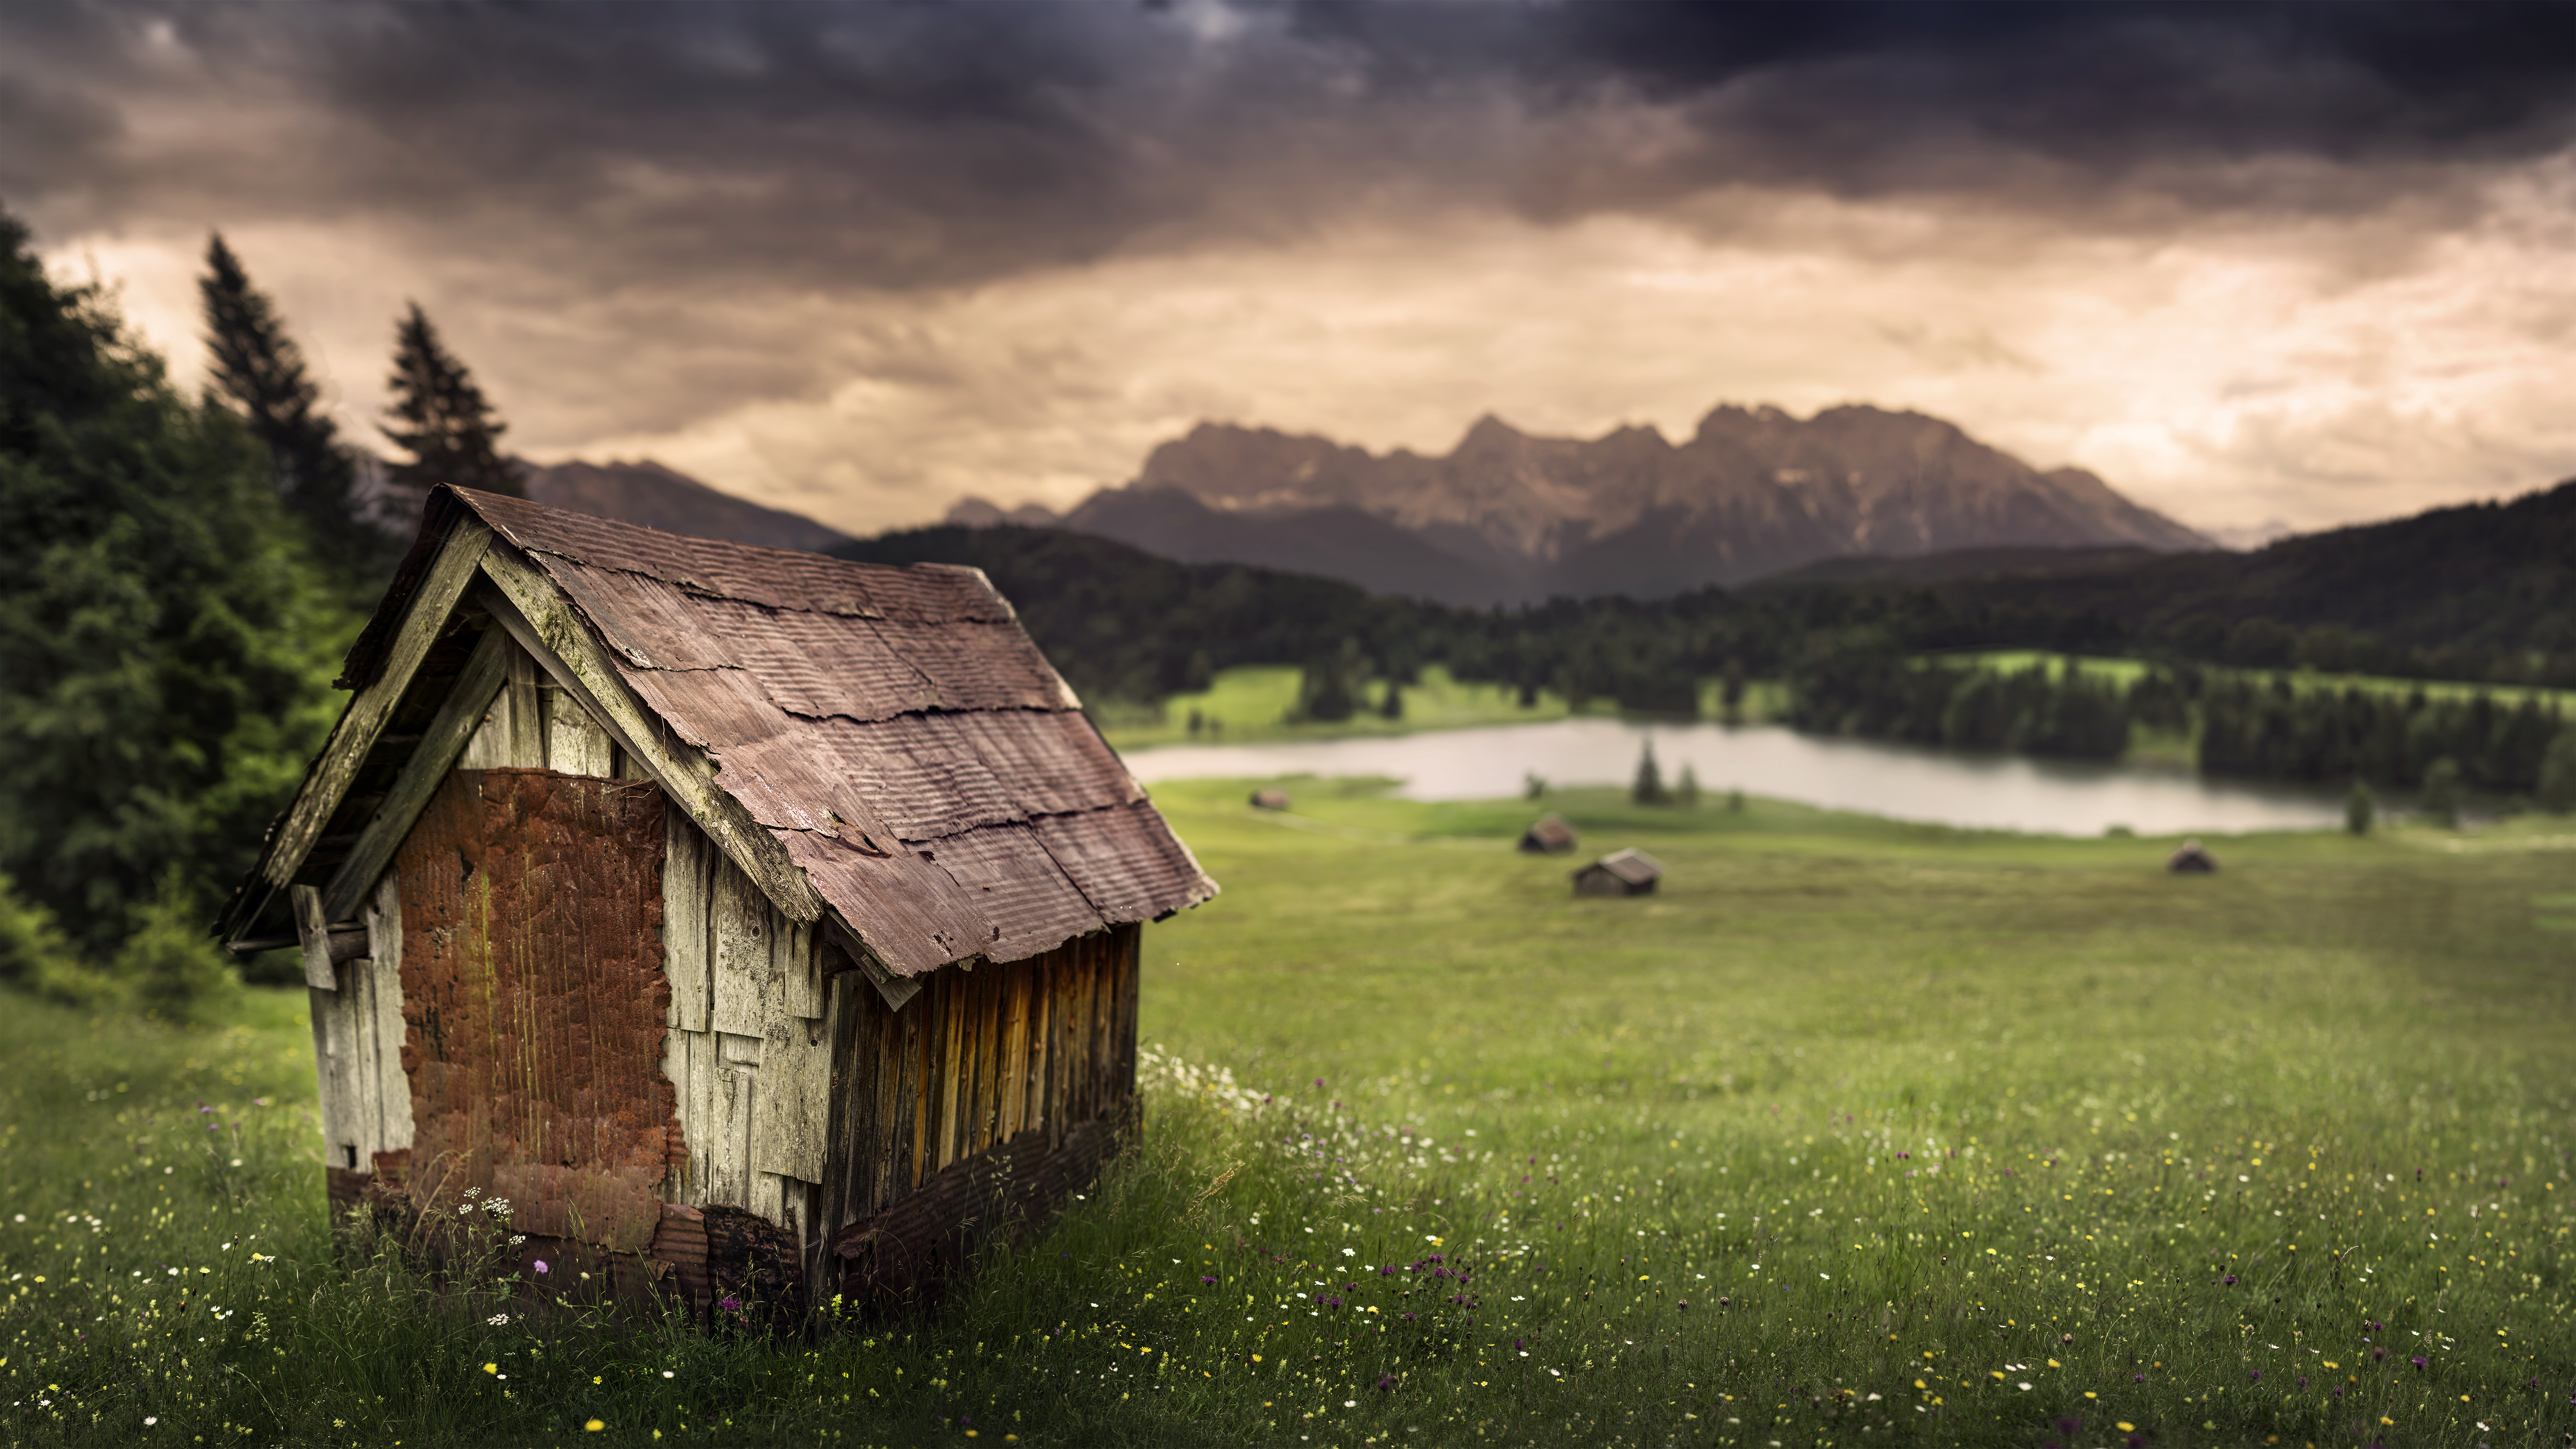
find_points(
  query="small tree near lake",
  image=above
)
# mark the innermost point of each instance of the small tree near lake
(2441, 797)
(1649, 786)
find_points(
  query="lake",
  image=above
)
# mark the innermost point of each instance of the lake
(1901, 782)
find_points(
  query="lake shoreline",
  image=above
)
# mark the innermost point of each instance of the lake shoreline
(1917, 784)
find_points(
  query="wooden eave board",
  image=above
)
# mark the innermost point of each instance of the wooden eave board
(417, 657)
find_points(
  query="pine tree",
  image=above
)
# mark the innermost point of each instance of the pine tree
(442, 419)
(1649, 786)
(261, 370)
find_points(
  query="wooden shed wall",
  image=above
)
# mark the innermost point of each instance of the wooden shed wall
(807, 1111)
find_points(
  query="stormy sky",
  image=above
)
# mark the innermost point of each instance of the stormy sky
(2305, 262)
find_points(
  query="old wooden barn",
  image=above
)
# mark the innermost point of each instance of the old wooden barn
(749, 920)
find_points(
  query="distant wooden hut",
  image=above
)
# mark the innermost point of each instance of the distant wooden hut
(1269, 799)
(2191, 859)
(753, 922)
(1549, 835)
(1629, 872)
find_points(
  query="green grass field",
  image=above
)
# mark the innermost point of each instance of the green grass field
(1857, 1133)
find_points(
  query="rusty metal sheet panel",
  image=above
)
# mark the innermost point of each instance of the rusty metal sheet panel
(914, 915)
(1028, 904)
(795, 783)
(979, 666)
(782, 578)
(894, 781)
(1052, 763)
(936, 594)
(713, 709)
(1127, 862)
(651, 623)
(820, 665)
(922, 775)
(533, 1001)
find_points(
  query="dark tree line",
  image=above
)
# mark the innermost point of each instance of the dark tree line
(2266, 728)
(1878, 693)
(178, 578)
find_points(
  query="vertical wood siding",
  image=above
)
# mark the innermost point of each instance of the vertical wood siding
(978, 1060)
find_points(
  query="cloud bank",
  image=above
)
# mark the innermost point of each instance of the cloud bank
(2246, 261)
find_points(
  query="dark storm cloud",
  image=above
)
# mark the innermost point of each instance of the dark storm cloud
(910, 144)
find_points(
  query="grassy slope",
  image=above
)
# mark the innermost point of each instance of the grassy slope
(2151, 1084)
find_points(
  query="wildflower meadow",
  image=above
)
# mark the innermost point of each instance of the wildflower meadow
(1856, 1133)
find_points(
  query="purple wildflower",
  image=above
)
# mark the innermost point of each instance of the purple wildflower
(541, 1266)
(2229, 1280)
(2417, 1360)
(2258, 1375)
(1385, 1382)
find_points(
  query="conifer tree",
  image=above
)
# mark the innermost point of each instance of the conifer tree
(442, 419)
(1649, 786)
(261, 371)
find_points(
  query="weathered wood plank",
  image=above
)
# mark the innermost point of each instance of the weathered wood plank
(702, 1122)
(526, 749)
(675, 1065)
(744, 986)
(988, 1057)
(853, 1096)
(449, 731)
(313, 934)
(1131, 993)
(576, 744)
(351, 739)
(792, 1112)
(689, 865)
(1043, 978)
(800, 970)
(729, 1170)
(384, 939)
(533, 609)
(896, 1096)
(768, 1197)
(334, 1055)
(1015, 1052)
(956, 1101)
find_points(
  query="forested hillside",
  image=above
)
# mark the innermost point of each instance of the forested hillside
(2482, 591)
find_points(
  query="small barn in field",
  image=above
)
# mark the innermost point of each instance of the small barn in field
(1629, 872)
(1549, 835)
(753, 922)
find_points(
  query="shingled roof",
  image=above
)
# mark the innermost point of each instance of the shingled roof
(893, 728)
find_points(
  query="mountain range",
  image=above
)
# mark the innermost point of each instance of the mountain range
(645, 492)
(1508, 516)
